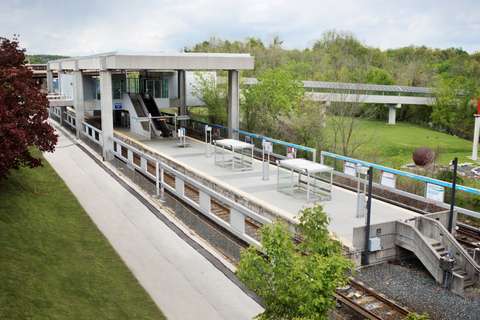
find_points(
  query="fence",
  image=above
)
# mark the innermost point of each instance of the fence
(92, 133)
(281, 148)
(411, 177)
(237, 219)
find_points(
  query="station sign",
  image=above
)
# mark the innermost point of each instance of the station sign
(388, 179)
(291, 153)
(350, 169)
(267, 146)
(117, 106)
(435, 192)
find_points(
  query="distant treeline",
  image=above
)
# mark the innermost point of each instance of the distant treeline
(340, 56)
(42, 58)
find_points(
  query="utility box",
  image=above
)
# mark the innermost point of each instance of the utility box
(375, 244)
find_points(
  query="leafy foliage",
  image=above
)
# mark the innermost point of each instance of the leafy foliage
(339, 56)
(416, 316)
(277, 93)
(214, 96)
(23, 112)
(42, 58)
(296, 281)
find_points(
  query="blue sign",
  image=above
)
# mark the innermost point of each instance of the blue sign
(118, 106)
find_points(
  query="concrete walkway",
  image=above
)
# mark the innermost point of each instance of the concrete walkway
(180, 280)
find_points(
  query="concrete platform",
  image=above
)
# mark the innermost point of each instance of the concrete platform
(341, 209)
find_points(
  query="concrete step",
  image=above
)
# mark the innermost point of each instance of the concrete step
(468, 282)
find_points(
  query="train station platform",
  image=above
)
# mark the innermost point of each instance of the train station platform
(249, 184)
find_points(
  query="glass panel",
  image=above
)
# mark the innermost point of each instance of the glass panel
(164, 88)
(157, 87)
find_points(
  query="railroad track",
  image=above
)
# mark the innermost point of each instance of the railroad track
(468, 236)
(368, 303)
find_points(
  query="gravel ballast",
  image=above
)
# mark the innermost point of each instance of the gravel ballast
(409, 284)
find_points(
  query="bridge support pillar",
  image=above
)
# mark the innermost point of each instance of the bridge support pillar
(233, 104)
(392, 113)
(78, 101)
(106, 102)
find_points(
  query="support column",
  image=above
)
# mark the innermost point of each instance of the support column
(233, 104)
(392, 113)
(49, 79)
(182, 95)
(78, 100)
(476, 133)
(106, 102)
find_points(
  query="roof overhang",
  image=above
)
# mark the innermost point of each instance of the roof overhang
(161, 61)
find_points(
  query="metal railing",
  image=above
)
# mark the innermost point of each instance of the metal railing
(415, 177)
(158, 171)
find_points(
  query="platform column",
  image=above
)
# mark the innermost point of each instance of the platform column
(106, 102)
(78, 100)
(49, 79)
(233, 104)
(182, 95)
(476, 133)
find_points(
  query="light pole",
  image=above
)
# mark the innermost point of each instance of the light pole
(366, 250)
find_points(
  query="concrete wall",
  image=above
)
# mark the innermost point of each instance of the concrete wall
(66, 84)
(387, 234)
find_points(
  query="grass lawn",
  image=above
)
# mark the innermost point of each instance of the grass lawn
(54, 262)
(392, 145)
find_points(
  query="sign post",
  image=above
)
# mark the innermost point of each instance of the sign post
(476, 132)
(267, 148)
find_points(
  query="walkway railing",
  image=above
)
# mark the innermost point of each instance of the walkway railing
(257, 139)
(236, 219)
(92, 133)
(324, 155)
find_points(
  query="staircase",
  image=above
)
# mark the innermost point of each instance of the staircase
(431, 242)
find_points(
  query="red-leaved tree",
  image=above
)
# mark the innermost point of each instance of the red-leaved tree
(23, 111)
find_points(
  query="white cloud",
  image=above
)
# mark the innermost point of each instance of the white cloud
(77, 28)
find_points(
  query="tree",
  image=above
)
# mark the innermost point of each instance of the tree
(277, 93)
(214, 96)
(296, 281)
(23, 111)
(454, 107)
(344, 121)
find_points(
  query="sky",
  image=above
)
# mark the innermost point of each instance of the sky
(84, 27)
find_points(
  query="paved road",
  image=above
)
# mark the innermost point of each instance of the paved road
(180, 280)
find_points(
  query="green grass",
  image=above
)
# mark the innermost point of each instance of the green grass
(393, 145)
(54, 262)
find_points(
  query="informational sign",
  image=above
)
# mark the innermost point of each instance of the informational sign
(267, 146)
(388, 179)
(350, 169)
(181, 132)
(291, 153)
(435, 192)
(117, 106)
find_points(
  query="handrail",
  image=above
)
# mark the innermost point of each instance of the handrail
(260, 137)
(419, 238)
(452, 241)
(198, 185)
(401, 173)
